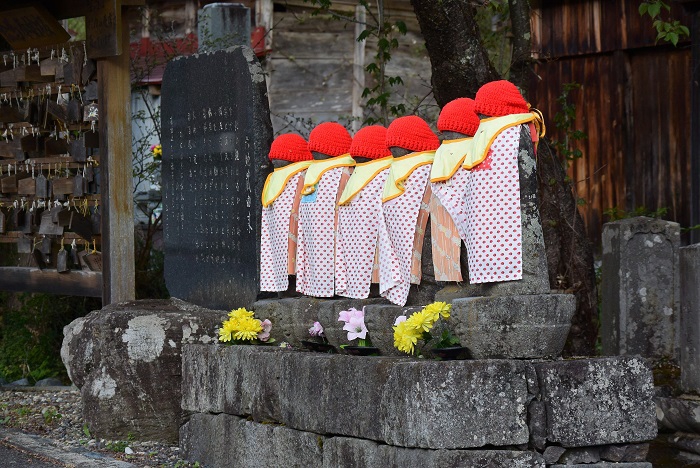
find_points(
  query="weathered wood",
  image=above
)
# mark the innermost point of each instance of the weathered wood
(72, 283)
(103, 25)
(325, 45)
(695, 124)
(31, 26)
(358, 69)
(117, 183)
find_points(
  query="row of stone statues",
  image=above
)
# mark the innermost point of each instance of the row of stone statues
(342, 213)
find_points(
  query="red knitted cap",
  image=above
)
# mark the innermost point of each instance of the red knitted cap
(499, 98)
(412, 133)
(290, 147)
(370, 142)
(330, 138)
(459, 116)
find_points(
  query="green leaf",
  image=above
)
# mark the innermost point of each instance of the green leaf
(363, 35)
(654, 9)
(401, 26)
(666, 6)
(685, 31)
(580, 202)
(672, 38)
(643, 8)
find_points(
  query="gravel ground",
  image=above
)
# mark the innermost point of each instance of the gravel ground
(57, 416)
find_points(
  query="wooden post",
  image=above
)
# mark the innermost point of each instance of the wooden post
(114, 98)
(693, 7)
(358, 69)
(694, 125)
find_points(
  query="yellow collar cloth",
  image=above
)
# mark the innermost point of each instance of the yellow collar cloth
(490, 128)
(361, 176)
(320, 167)
(277, 181)
(401, 169)
(448, 158)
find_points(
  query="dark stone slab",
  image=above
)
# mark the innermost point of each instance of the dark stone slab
(216, 136)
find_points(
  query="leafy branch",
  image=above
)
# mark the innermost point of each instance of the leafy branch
(669, 30)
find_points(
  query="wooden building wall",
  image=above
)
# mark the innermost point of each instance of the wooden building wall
(634, 104)
(311, 68)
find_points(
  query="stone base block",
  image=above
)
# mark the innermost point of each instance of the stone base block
(598, 401)
(125, 359)
(513, 327)
(678, 414)
(405, 402)
(224, 441)
(510, 327)
(292, 317)
(606, 465)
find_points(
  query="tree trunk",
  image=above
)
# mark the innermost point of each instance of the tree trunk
(569, 251)
(460, 65)
(459, 61)
(521, 62)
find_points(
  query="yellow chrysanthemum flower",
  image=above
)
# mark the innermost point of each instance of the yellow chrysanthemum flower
(421, 321)
(247, 329)
(240, 313)
(438, 309)
(405, 337)
(227, 328)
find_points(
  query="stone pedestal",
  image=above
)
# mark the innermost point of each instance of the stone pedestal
(125, 359)
(641, 288)
(520, 327)
(690, 318)
(512, 327)
(325, 410)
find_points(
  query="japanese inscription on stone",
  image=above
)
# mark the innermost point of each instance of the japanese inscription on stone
(216, 136)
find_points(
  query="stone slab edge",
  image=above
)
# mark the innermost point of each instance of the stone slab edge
(378, 398)
(41, 447)
(218, 441)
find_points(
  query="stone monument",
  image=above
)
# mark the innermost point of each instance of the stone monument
(216, 136)
(641, 288)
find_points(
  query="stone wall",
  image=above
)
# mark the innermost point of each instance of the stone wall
(333, 410)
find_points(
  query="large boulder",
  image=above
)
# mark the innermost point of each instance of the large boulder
(126, 361)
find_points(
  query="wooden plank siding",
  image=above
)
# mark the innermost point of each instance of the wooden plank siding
(633, 105)
(311, 70)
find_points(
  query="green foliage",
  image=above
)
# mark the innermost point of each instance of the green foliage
(447, 340)
(51, 415)
(669, 30)
(31, 333)
(495, 30)
(616, 213)
(86, 431)
(385, 32)
(564, 120)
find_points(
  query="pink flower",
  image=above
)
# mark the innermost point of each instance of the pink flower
(356, 327)
(346, 315)
(399, 319)
(316, 330)
(264, 335)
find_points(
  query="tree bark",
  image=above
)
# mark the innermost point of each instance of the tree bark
(521, 62)
(569, 251)
(459, 61)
